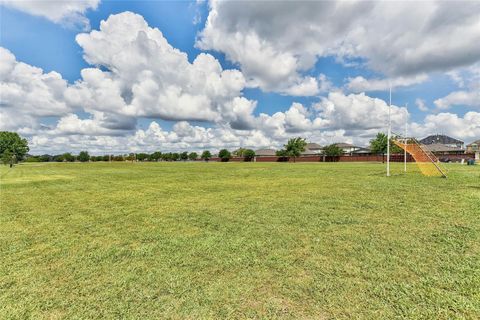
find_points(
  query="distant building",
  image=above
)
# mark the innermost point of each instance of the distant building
(362, 151)
(312, 149)
(473, 147)
(347, 147)
(443, 149)
(265, 152)
(443, 139)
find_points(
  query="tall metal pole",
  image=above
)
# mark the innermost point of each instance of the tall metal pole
(406, 140)
(389, 131)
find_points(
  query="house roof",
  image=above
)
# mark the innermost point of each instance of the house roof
(363, 150)
(477, 142)
(438, 147)
(265, 152)
(313, 146)
(440, 139)
(345, 145)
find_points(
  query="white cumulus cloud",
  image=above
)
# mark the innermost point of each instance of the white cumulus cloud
(70, 13)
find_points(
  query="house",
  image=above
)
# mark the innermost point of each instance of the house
(265, 152)
(347, 147)
(443, 149)
(442, 139)
(473, 147)
(312, 149)
(362, 151)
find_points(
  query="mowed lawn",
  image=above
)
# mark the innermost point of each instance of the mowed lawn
(238, 240)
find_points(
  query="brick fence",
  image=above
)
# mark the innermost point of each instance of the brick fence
(348, 158)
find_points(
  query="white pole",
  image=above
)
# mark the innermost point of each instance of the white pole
(406, 140)
(389, 131)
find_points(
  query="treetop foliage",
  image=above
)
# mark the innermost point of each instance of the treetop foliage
(14, 144)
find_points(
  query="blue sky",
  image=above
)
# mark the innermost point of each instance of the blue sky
(42, 41)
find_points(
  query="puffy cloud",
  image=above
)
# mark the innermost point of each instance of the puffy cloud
(136, 74)
(469, 81)
(27, 93)
(147, 77)
(274, 42)
(420, 103)
(466, 128)
(462, 97)
(358, 112)
(70, 13)
(360, 84)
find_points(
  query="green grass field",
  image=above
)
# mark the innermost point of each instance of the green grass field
(238, 240)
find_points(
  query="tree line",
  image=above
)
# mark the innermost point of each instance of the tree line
(14, 148)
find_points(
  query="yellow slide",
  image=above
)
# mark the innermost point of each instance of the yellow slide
(424, 158)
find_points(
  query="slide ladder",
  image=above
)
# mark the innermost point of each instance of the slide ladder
(426, 161)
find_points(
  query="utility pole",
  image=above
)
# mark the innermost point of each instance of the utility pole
(389, 131)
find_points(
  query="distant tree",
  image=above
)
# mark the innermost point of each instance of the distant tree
(142, 156)
(193, 156)
(167, 156)
(8, 158)
(184, 156)
(118, 158)
(281, 153)
(249, 154)
(206, 155)
(175, 156)
(379, 144)
(58, 158)
(295, 147)
(32, 159)
(240, 152)
(68, 157)
(155, 156)
(225, 155)
(45, 158)
(15, 144)
(130, 157)
(106, 157)
(83, 156)
(333, 150)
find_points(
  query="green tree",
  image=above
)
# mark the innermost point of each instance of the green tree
(167, 156)
(15, 144)
(58, 158)
(333, 150)
(249, 154)
(240, 152)
(184, 156)
(281, 153)
(8, 157)
(32, 159)
(175, 156)
(155, 156)
(379, 145)
(193, 156)
(225, 155)
(45, 158)
(142, 156)
(118, 158)
(68, 157)
(83, 156)
(295, 147)
(106, 157)
(206, 155)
